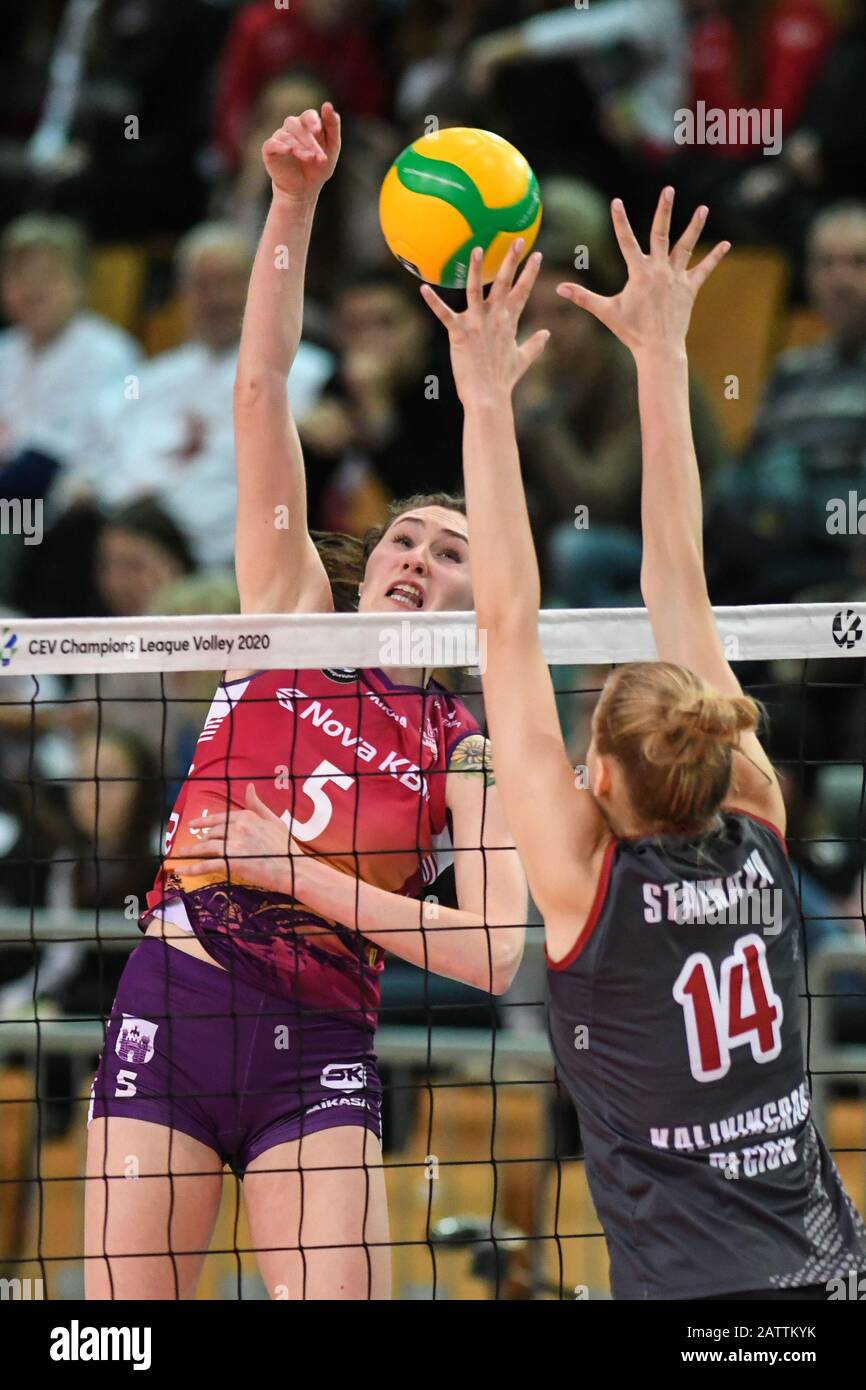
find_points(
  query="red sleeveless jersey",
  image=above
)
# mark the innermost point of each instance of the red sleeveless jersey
(356, 767)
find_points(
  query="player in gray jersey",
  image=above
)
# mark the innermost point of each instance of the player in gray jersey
(672, 924)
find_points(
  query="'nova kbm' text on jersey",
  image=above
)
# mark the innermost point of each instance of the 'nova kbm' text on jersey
(675, 1024)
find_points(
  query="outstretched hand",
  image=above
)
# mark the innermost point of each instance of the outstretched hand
(485, 355)
(301, 156)
(655, 307)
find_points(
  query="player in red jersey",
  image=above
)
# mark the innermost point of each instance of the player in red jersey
(243, 1026)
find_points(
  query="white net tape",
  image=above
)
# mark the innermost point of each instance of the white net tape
(569, 637)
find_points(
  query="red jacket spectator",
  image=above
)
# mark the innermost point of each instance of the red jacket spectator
(786, 50)
(264, 40)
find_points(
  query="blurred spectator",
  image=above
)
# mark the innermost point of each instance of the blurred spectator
(56, 357)
(601, 82)
(166, 709)
(28, 753)
(140, 550)
(125, 157)
(347, 231)
(245, 197)
(781, 520)
(28, 30)
(757, 53)
(109, 854)
(329, 35)
(33, 828)
(829, 148)
(429, 47)
(638, 105)
(822, 161)
(391, 408)
(577, 418)
(828, 920)
(188, 694)
(29, 33)
(136, 554)
(759, 56)
(173, 439)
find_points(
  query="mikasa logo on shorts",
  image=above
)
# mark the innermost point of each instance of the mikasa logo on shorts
(135, 1039)
(344, 1076)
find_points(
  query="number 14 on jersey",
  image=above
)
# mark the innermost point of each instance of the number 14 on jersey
(741, 1007)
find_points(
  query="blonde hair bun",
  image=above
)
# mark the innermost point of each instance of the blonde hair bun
(674, 736)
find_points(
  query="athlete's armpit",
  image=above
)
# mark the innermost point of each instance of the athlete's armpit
(473, 754)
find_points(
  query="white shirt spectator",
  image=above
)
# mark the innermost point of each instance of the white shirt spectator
(47, 394)
(654, 28)
(175, 442)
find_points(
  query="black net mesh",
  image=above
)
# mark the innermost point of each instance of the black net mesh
(270, 1082)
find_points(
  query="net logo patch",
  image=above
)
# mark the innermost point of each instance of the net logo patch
(344, 1076)
(847, 629)
(8, 644)
(135, 1039)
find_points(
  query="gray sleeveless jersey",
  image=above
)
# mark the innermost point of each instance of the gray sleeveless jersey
(675, 1027)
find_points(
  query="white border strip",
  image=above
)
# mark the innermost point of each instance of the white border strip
(570, 637)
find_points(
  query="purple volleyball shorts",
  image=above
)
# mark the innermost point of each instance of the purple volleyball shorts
(191, 1047)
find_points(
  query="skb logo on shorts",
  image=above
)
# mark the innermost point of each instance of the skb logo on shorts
(344, 1076)
(135, 1039)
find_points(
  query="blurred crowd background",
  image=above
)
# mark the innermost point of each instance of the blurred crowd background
(131, 195)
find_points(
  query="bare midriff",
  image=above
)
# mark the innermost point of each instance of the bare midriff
(175, 936)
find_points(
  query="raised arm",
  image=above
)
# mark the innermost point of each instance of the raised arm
(556, 826)
(278, 568)
(651, 317)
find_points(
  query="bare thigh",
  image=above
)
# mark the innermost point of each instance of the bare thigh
(318, 1216)
(151, 1201)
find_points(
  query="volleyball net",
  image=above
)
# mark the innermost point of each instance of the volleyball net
(486, 1191)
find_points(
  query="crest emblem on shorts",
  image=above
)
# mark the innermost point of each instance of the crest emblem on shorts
(135, 1040)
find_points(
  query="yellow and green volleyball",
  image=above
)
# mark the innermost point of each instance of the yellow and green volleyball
(452, 190)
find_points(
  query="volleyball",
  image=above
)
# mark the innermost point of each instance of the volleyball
(452, 190)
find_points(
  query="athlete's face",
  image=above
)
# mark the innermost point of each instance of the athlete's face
(420, 564)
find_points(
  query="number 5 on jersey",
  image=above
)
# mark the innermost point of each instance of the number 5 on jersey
(323, 809)
(743, 1008)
